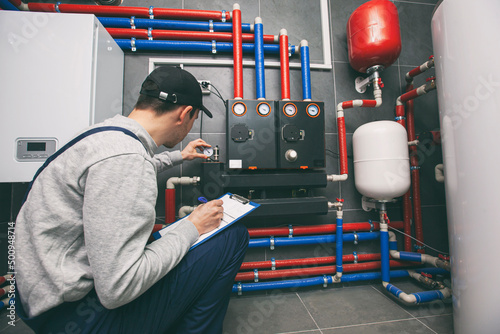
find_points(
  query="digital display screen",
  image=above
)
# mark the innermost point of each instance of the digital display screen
(36, 147)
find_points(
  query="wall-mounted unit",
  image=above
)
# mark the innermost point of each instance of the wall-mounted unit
(59, 74)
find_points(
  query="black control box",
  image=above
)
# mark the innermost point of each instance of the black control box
(251, 134)
(301, 134)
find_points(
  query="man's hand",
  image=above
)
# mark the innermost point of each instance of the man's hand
(190, 152)
(208, 216)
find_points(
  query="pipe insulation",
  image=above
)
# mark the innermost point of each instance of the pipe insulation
(256, 275)
(7, 5)
(209, 47)
(274, 264)
(323, 280)
(318, 229)
(260, 79)
(237, 52)
(312, 240)
(138, 23)
(306, 70)
(285, 65)
(182, 35)
(149, 12)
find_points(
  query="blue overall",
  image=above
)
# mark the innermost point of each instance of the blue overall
(192, 298)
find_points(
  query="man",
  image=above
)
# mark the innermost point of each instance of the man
(82, 259)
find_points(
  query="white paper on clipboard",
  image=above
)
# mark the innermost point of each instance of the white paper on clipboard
(235, 207)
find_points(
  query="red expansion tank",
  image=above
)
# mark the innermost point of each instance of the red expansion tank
(373, 36)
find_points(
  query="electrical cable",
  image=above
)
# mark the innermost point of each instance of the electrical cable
(425, 245)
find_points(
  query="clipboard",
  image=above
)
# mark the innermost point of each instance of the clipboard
(235, 208)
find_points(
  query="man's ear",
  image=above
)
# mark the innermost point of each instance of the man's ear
(185, 113)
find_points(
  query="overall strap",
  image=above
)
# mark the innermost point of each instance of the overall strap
(73, 142)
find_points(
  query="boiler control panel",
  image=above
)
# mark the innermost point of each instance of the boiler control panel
(265, 134)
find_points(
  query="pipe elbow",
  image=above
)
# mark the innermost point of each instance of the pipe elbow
(185, 180)
(335, 178)
(439, 173)
(186, 210)
(337, 278)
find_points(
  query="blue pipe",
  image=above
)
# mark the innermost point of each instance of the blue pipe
(408, 256)
(306, 72)
(421, 297)
(161, 45)
(5, 4)
(384, 255)
(321, 280)
(340, 239)
(118, 22)
(260, 80)
(312, 240)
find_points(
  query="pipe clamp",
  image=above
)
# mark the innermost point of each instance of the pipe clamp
(214, 47)
(240, 289)
(223, 19)
(355, 257)
(150, 34)
(356, 237)
(273, 263)
(271, 241)
(325, 281)
(151, 14)
(211, 25)
(414, 167)
(399, 118)
(372, 227)
(57, 7)
(290, 231)
(132, 44)
(255, 275)
(132, 22)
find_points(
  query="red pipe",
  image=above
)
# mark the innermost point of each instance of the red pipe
(401, 119)
(407, 220)
(159, 13)
(237, 53)
(285, 66)
(169, 206)
(342, 145)
(183, 35)
(325, 270)
(16, 3)
(415, 177)
(317, 229)
(410, 94)
(306, 262)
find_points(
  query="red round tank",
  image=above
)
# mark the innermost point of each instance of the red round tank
(373, 35)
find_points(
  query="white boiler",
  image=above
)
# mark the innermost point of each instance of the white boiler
(59, 73)
(466, 51)
(381, 160)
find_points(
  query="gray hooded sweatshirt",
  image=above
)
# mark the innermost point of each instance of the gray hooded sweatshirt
(87, 220)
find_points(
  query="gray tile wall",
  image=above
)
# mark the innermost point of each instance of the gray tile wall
(301, 19)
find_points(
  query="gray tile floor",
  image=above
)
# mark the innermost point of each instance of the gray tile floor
(359, 308)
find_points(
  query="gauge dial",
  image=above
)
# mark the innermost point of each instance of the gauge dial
(312, 110)
(263, 109)
(239, 108)
(290, 109)
(208, 151)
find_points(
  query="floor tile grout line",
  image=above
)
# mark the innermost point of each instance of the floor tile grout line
(383, 294)
(372, 323)
(309, 312)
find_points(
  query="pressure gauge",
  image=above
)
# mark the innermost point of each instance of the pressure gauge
(312, 110)
(263, 109)
(208, 151)
(239, 108)
(290, 109)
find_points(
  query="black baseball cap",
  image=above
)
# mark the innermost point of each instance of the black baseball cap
(177, 86)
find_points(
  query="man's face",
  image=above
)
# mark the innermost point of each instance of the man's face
(182, 130)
